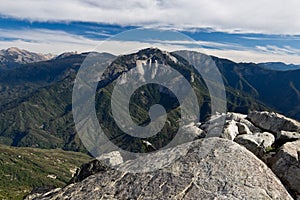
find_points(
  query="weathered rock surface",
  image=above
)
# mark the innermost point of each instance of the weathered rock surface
(257, 143)
(287, 136)
(243, 128)
(88, 169)
(286, 165)
(99, 165)
(235, 116)
(192, 131)
(250, 132)
(230, 130)
(242, 119)
(235, 124)
(211, 168)
(208, 168)
(273, 122)
(111, 159)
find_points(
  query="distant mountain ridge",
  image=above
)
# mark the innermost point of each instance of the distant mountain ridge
(279, 66)
(13, 57)
(36, 99)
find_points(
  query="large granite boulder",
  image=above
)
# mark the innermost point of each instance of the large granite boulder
(257, 143)
(273, 122)
(286, 165)
(287, 136)
(210, 168)
(235, 124)
(241, 119)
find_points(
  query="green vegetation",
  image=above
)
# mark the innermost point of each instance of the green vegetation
(43, 118)
(146, 96)
(23, 169)
(36, 105)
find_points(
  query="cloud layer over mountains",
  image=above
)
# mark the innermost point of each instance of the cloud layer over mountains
(265, 16)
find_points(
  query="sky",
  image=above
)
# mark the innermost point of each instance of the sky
(240, 30)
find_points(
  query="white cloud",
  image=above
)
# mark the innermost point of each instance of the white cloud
(254, 56)
(45, 41)
(56, 42)
(286, 50)
(267, 16)
(206, 44)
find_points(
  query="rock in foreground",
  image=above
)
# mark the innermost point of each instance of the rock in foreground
(286, 164)
(210, 168)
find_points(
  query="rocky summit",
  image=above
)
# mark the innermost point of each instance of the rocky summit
(13, 57)
(225, 171)
(253, 158)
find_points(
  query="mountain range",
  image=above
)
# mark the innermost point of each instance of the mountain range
(36, 97)
(279, 66)
(14, 57)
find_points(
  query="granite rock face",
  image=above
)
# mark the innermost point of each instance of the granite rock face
(287, 136)
(210, 168)
(111, 159)
(257, 143)
(273, 122)
(286, 164)
(229, 161)
(99, 165)
(230, 131)
(243, 128)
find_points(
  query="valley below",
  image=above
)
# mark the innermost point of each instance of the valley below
(250, 151)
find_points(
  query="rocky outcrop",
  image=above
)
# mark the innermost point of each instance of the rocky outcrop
(99, 165)
(230, 131)
(206, 168)
(13, 57)
(287, 136)
(272, 137)
(273, 122)
(210, 168)
(242, 120)
(257, 143)
(111, 159)
(286, 164)
(235, 124)
(88, 169)
(243, 128)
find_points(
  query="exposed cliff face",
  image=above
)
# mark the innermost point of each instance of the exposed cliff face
(207, 168)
